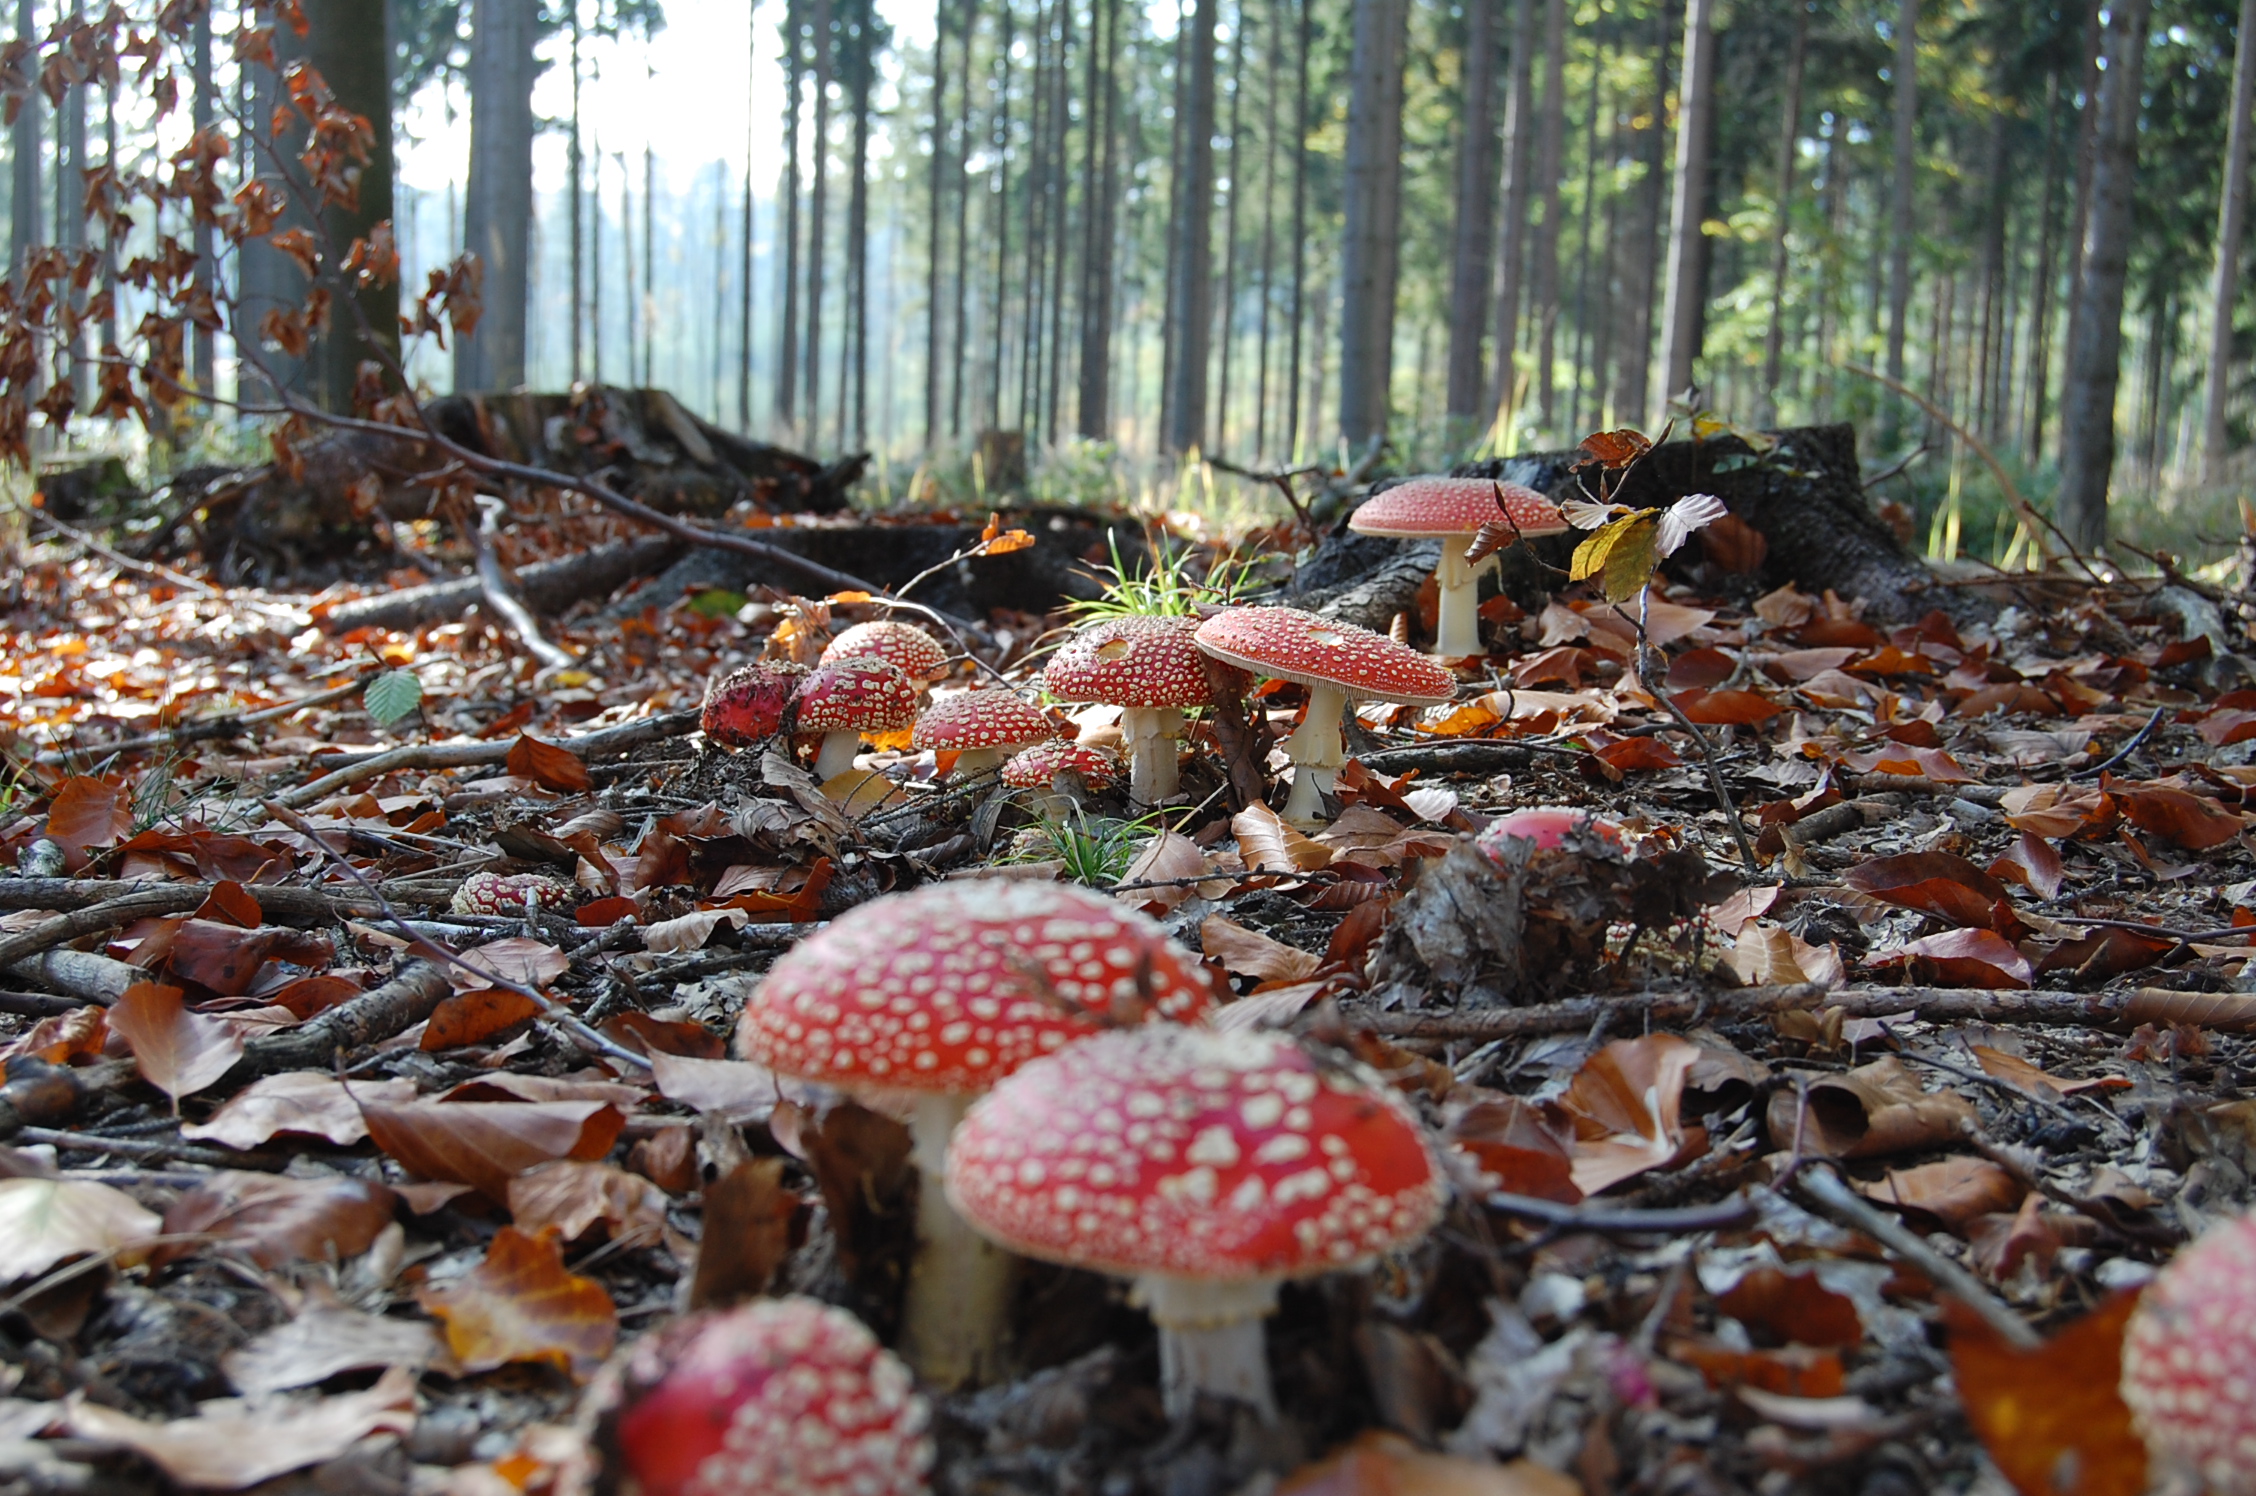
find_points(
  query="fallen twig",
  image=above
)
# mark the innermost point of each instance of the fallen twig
(202, 729)
(1829, 1194)
(461, 755)
(501, 593)
(2124, 752)
(1565, 1219)
(277, 901)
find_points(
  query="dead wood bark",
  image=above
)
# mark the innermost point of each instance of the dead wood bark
(37, 1094)
(547, 587)
(382, 1013)
(80, 974)
(500, 594)
(625, 736)
(1372, 600)
(280, 904)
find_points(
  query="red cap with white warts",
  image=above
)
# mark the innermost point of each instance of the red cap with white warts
(1455, 506)
(856, 693)
(1197, 1154)
(912, 649)
(2189, 1360)
(965, 720)
(1038, 765)
(1139, 660)
(782, 1395)
(1288, 644)
(954, 986)
(745, 707)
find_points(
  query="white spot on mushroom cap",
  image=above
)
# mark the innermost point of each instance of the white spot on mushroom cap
(1291, 645)
(1138, 661)
(991, 718)
(2189, 1359)
(1455, 506)
(1203, 1170)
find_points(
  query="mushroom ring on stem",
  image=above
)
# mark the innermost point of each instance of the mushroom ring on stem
(844, 698)
(1455, 509)
(1207, 1166)
(918, 1002)
(981, 727)
(1338, 663)
(1148, 666)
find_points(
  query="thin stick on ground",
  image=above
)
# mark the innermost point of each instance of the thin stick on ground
(1647, 655)
(203, 729)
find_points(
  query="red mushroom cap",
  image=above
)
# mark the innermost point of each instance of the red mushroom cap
(1196, 1153)
(1037, 766)
(781, 1395)
(912, 649)
(1291, 645)
(1139, 660)
(980, 719)
(506, 893)
(952, 987)
(2189, 1359)
(855, 693)
(1455, 506)
(1547, 826)
(745, 707)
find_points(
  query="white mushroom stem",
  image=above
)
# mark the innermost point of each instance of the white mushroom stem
(1149, 734)
(1316, 751)
(960, 1283)
(836, 755)
(1211, 1339)
(979, 760)
(1457, 629)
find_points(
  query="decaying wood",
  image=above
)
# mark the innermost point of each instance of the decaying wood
(374, 1016)
(37, 1094)
(1244, 748)
(609, 740)
(499, 591)
(82, 974)
(278, 902)
(547, 586)
(1372, 600)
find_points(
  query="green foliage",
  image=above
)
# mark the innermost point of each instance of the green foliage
(1096, 850)
(1171, 582)
(392, 695)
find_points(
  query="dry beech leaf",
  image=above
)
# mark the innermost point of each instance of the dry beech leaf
(44, 1221)
(521, 1304)
(2051, 1417)
(571, 1196)
(474, 1017)
(737, 1089)
(518, 959)
(2229, 1012)
(1166, 857)
(79, 1034)
(324, 1340)
(1768, 955)
(1381, 1464)
(747, 1233)
(485, 1144)
(1952, 1190)
(2193, 822)
(178, 1052)
(584, 1085)
(87, 816)
(1790, 1371)
(238, 1442)
(646, 1035)
(2032, 862)
(1782, 1308)
(274, 1220)
(1875, 1109)
(1962, 958)
(1249, 953)
(1942, 884)
(2023, 1076)
(1268, 845)
(1625, 1104)
(1515, 1143)
(550, 767)
(228, 958)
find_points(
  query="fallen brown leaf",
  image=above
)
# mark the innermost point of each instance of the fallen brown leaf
(238, 1442)
(520, 1304)
(1249, 953)
(2051, 1417)
(297, 1101)
(485, 1144)
(1379, 1464)
(1875, 1109)
(571, 1196)
(325, 1339)
(1625, 1104)
(178, 1052)
(1953, 1190)
(44, 1221)
(274, 1220)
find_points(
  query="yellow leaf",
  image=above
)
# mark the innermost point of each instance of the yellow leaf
(1005, 543)
(1621, 554)
(840, 599)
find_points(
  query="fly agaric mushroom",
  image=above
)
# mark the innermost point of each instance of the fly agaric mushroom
(1547, 826)
(1454, 509)
(745, 707)
(982, 727)
(1207, 1166)
(1149, 668)
(929, 998)
(781, 1397)
(1337, 662)
(912, 649)
(512, 894)
(846, 698)
(2189, 1360)
(1038, 767)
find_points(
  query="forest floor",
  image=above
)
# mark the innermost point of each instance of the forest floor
(1835, 1173)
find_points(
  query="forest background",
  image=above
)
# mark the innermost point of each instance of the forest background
(1269, 231)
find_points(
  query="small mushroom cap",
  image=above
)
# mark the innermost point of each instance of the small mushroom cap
(2189, 1360)
(1455, 506)
(917, 654)
(506, 893)
(1035, 767)
(980, 719)
(780, 1395)
(1195, 1153)
(1291, 645)
(1139, 660)
(745, 707)
(951, 987)
(855, 693)
(1547, 826)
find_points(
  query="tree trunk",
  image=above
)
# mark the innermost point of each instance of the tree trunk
(627, 294)
(934, 191)
(349, 43)
(999, 207)
(205, 363)
(24, 150)
(2087, 407)
(2087, 150)
(1102, 108)
(853, 431)
(575, 163)
(961, 343)
(498, 208)
(1634, 302)
(1900, 214)
(1190, 297)
(650, 268)
(818, 202)
(1272, 52)
(787, 338)
(2046, 278)
(1681, 302)
(1543, 273)
(1061, 242)
(744, 275)
(1299, 236)
(2224, 284)
(1592, 108)
(1226, 321)
(1511, 232)
(1475, 225)
(1774, 337)
(1992, 305)
(1372, 205)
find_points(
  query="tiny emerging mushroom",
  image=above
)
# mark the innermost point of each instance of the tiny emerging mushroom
(920, 1001)
(1337, 662)
(780, 1397)
(1455, 509)
(1210, 1168)
(745, 707)
(1548, 826)
(1147, 666)
(1037, 769)
(914, 651)
(845, 698)
(982, 727)
(518, 894)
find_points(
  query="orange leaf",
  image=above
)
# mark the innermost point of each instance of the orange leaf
(485, 1144)
(1266, 843)
(1630, 755)
(1378, 1464)
(1794, 1371)
(231, 903)
(1963, 958)
(1727, 708)
(2192, 821)
(1793, 1308)
(520, 1304)
(2051, 1417)
(88, 815)
(2032, 862)
(1616, 449)
(474, 1017)
(1910, 762)
(1248, 953)
(227, 958)
(1952, 1190)
(601, 914)
(79, 1034)
(571, 1196)
(548, 766)
(1513, 1141)
(178, 1052)
(1625, 1103)
(1005, 543)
